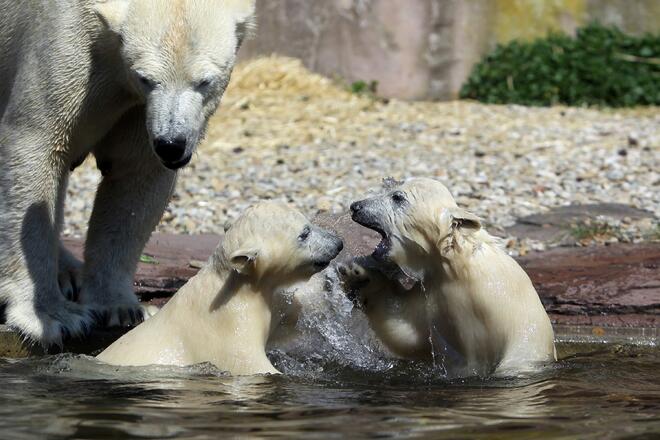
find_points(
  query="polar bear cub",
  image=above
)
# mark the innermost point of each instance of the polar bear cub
(223, 314)
(473, 306)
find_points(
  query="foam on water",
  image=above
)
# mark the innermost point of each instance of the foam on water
(329, 331)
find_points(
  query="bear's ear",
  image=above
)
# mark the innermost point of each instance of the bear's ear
(243, 260)
(112, 12)
(244, 9)
(463, 219)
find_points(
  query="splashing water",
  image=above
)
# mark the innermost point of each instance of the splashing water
(329, 332)
(331, 335)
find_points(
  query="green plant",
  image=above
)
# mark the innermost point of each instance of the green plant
(653, 234)
(594, 230)
(601, 66)
(364, 88)
(148, 259)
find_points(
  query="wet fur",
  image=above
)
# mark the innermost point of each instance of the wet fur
(224, 314)
(473, 305)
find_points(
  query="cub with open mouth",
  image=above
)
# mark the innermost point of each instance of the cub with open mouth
(223, 314)
(472, 305)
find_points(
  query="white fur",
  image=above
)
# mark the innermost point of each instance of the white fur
(68, 87)
(473, 306)
(223, 314)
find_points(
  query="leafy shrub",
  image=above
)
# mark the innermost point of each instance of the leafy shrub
(363, 87)
(601, 66)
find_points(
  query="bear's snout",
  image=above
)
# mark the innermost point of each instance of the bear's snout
(366, 213)
(172, 152)
(357, 207)
(329, 247)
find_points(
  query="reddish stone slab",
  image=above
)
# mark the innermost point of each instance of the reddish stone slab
(616, 285)
(174, 259)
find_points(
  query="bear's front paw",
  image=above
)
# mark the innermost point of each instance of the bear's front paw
(49, 324)
(355, 279)
(115, 306)
(353, 275)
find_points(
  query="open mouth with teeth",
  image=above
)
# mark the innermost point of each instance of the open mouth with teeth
(385, 244)
(383, 248)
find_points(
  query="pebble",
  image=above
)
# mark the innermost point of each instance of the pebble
(322, 152)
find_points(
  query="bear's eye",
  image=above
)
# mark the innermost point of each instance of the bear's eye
(146, 82)
(203, 84)
(398, 197)
(304, 234)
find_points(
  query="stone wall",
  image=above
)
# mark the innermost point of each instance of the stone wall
(422, 49)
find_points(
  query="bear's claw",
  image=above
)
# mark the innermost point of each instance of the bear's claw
(122, 316)
(69, 275)
(50, 325)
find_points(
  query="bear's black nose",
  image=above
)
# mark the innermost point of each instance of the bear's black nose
(170, 150)
(356, 207)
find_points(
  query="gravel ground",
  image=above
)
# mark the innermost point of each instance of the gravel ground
(284, 133)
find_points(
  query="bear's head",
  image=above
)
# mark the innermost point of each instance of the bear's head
(415, 219)
(178, 56)
(275, 244)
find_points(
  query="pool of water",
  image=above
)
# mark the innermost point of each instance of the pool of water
(595, 391)
(338, 381)
(606, 391)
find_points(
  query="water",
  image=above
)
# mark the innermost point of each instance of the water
(606, 391)
(338, 382)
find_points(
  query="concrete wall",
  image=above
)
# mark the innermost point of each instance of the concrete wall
(422, 49)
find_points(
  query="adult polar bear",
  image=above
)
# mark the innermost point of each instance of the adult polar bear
(133, 82)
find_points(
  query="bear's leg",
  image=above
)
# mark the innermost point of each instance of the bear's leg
(129, 203)
(30, 186)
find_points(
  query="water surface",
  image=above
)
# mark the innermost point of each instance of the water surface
(601, 391)
(338, 382)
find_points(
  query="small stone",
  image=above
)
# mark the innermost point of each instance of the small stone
(500, 162)
(615, 175)
(324, 205)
